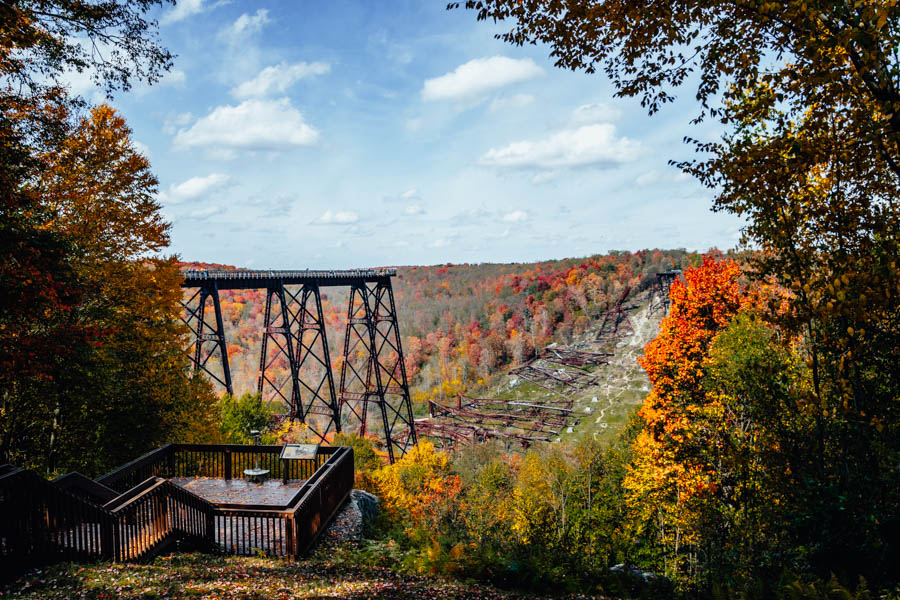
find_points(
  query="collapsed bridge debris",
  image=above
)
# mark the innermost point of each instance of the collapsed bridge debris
(475, 420)
(542, 376)
(574, 358)
(616, 324)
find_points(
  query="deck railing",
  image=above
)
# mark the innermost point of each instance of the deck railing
(221, 461)
(67, 519)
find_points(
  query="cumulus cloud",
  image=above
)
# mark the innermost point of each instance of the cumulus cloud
(413, 209)
(206, 212)
(595, 113)
(174, 121)
(251, 125)
(279, 205)
(141, 147)
(516, 216)
(472, 215)
(410, 196)
(588, 146)
(246, 25)
(338, 217)
(195, 187)
(183, 10)
(278, 78)
(479, 77)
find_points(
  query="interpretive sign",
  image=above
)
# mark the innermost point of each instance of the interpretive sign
(298, 451)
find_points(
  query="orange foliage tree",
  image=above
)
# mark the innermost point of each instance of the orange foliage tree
(668, 472)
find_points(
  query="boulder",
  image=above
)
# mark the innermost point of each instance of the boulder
(367, 503)
(353, 519)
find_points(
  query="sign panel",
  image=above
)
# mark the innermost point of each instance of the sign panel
(298, 451)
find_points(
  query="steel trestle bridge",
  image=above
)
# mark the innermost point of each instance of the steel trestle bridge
(372, 369)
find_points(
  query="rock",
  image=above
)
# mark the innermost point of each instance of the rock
(367, 503)
(639, 575)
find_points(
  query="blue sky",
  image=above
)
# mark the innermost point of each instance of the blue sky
(342, 133)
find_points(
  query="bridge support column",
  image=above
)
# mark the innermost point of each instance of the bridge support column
(295, 332)
(373, 369)
(209, 338)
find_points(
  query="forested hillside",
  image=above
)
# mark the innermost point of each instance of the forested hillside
(462, 325)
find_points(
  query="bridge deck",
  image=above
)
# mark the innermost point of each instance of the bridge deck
(241, 280)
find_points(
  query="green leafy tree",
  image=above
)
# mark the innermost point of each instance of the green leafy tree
(240, 416)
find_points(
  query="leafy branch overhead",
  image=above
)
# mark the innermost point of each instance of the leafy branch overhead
(45, 39)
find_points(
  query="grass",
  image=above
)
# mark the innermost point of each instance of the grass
(204, 576)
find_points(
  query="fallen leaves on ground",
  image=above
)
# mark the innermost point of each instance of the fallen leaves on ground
(239, 578)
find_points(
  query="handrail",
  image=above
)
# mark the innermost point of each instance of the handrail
(138, 490)
(113, 477)
(44, 521)
(76, 482)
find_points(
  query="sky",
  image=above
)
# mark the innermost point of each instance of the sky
(340, 134)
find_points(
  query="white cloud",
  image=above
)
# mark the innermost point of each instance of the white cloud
(479, 77)
(176, 77)
(207, 212)
(174, 121)
(516, 216)
(595, 113)
(587, 146)
(246, 25)
(251, 125)
(511, 102)
(439, 243)
(194, 188)
(410, 196)
(278, 78)
(413, 209)
(338, 217)
(648, 178)
(182, 10)
(141, 147)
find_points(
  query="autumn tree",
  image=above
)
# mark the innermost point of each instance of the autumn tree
(91, 369)
(668, 469)
(122, 382)
(809, 97)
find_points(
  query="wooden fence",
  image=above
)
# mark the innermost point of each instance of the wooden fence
(222, 461)
(135, 512)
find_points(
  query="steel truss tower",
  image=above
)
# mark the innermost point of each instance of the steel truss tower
(295, 326)
(295, 363)
(372, 369)
(659, 292)
(208, 338)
